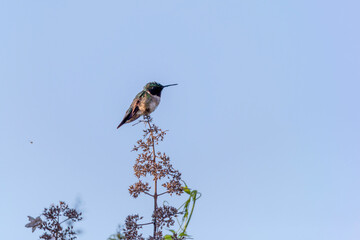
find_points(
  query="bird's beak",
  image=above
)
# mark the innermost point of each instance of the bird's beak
(170, 85)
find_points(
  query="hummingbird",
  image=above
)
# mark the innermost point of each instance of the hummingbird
(145, 102)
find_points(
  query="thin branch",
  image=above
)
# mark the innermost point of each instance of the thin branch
(163, 193)
(64, 221)
(142, 224)
(137, 122)
(148, 194)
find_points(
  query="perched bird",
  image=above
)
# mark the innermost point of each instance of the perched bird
(145, 102)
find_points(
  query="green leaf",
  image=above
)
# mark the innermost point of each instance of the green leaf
(187, 190)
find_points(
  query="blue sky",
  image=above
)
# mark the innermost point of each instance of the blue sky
(264, 121)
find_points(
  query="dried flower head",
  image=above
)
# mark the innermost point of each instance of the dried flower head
(132, 227)
(54, 217)
(165, 216)
(34, 223)
(158, 166)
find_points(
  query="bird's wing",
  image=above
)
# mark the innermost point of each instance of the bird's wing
(133, 109)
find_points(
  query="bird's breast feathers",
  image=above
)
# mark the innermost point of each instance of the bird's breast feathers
(149, 104)
(154, 103)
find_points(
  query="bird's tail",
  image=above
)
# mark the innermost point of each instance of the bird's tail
(127, 117)
(122, 122)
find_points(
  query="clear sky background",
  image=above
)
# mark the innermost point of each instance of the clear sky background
(264, 121)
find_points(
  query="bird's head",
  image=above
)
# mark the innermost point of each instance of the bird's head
(155, 88)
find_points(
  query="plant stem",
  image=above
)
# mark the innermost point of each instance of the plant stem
(143, 224)
(163, 193)
(58, 227)
(155, 207)
(155, 196)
